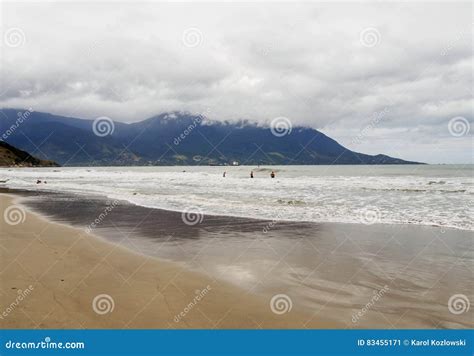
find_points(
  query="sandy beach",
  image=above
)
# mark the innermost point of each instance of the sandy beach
(95, 262)
(52, 273)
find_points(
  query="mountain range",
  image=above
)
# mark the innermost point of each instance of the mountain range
(172, 139)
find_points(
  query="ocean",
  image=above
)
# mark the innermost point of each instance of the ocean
(434, 195)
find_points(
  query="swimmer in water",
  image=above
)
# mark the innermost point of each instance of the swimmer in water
(251, 174)
(272, 174)
(224, 174)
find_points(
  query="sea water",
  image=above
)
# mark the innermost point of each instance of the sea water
(439, 195)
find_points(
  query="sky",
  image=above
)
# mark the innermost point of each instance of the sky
(392, 78)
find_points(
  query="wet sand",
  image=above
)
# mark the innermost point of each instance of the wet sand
(57, 276)
(358, 276)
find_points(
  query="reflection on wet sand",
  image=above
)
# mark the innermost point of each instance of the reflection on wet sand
(365, 276)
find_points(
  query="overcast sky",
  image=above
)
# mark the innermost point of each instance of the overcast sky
(377, 77)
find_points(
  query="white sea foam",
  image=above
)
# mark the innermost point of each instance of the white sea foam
(427, 195)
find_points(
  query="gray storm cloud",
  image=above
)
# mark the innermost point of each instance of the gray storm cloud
(395, 72)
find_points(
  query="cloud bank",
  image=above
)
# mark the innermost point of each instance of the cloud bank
(378, 77)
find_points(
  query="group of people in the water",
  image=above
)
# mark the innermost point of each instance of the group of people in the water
(272, 175)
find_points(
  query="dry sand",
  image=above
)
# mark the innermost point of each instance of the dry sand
(67, 268)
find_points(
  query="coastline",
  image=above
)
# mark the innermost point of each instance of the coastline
(68, 269)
